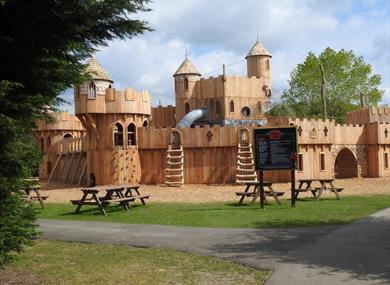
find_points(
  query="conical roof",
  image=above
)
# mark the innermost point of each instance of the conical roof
(96, 70)
(258, 49)
(186, 67)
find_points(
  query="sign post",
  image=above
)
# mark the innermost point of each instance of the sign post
(276, 149)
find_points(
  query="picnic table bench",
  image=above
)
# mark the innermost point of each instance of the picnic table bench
(305, 185)
(33, 193)
(114, 194)
(256, 192)
(133, 192)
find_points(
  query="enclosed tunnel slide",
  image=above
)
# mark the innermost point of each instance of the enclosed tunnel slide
(192, 117)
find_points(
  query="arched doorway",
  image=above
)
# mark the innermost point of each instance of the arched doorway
(175, 140)
(345, 164)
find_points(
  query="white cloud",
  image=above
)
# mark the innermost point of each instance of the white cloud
(222, 31)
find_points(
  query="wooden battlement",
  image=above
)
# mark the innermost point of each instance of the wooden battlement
(62, 121)
(368, 115)
(115, 101)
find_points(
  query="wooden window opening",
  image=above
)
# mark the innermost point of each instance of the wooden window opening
(186, 84)
(267, 67)
(118, 135)
(131, 135)
(187, 108)
(386, 160)
(92, 90)
(300, 162)
(322, 161)
(259, 108)
(231, 106)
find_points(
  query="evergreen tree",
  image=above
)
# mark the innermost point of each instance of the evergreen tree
(43, 44)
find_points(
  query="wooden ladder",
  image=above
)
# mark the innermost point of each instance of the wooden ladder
(245, 165)
(174, 173)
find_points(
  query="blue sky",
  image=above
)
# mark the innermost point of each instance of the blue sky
(222, 32)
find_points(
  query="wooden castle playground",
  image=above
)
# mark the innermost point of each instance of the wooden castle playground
(116, 137)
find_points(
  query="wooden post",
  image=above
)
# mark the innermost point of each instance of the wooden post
(293, 188)
(323, 91)
(261, 190)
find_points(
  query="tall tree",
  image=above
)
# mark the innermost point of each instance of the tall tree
(43, 44)
(346, 77)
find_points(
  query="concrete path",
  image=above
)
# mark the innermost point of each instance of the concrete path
(358, 253)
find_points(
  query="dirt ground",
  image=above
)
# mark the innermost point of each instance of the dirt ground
(59, 193)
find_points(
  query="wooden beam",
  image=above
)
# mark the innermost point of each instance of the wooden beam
(82, 173)
(55, 166)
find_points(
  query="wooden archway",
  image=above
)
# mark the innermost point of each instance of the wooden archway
(346, 165)
(243, 136)
(175, 139)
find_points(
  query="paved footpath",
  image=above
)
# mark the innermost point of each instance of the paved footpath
(356, 254)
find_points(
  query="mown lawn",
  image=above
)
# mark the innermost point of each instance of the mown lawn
(223, 215)
(62, 263)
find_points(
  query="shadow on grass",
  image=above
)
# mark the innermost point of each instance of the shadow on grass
(230, 207)
(94, 211)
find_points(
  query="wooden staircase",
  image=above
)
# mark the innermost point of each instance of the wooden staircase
(245, 164)
(174, 173)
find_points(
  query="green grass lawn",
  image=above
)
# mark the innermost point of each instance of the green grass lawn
(307, 213)
(61, 263)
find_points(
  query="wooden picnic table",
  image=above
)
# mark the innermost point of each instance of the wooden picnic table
(33, 193)
(133, 191)
(326, 184)
(113, 193)
(255, 193)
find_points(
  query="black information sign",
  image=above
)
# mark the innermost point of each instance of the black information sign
(276, 148)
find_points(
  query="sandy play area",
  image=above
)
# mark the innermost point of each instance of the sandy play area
(59, 193)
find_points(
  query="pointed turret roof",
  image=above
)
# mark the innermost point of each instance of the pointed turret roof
(186, 67)
(258, 49)
(96, 70)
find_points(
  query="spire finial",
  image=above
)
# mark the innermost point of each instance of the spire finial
(186, 52)
(257, 37)
(159, 101)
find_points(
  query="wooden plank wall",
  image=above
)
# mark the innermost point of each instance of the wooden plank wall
(368, 115)
(163, 117)
(206, 160)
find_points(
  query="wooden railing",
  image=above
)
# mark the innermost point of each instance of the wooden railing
(71, 145)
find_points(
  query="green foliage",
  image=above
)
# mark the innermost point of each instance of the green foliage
(18, 158)
(43, 44)
(346, 77)
(281, 110)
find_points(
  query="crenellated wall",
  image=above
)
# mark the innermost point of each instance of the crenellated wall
(114, 101)
(368, 115)
(222, 90)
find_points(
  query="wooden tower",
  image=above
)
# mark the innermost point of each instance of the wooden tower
(49, 135)
(111, 118)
